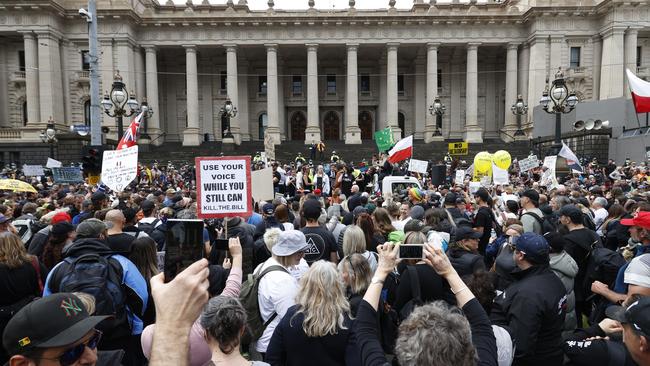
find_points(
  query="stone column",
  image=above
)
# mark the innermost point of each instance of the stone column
(153, 123)
(125, 64)
(233, 89)
(522, 71)
(191, 133)
(31, 79)
(107, 72)
(612, 69)
(511, 88)
(140, 75)
(391, 90)
(4, 90)
(352, 131)
(244, 117)
(431, 92)
(536, 72)
(456, 124)
(597, 57)
(381, 109)
(273, 114)
(65, 82)
(49, 77)
(473, 132)
(557, 45)
(630, 54)
(282, 92)
(420, 98)
(312, 133)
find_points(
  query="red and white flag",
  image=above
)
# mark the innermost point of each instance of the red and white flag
(640, 90)
(402, 150)
(131, 134)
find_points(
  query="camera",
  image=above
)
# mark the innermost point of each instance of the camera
(84, 13)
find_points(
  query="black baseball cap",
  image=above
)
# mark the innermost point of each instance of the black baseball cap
(450, 198)
(466, 232)
(147, 206)
(636, 314)
(532, 194)
(54, 321)
(311, 209)
(572, 212)
(98, 196)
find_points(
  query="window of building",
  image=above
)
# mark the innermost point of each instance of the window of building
(439, 78)
(296, 85)
(400, 84)
(24, 113)
(21, 60)
(639, 56)
(575, 57)
(87, 113)
(224, 81)
(85, 60)
(364, 83)
(263, 122)
(331, 84)
(261, 85)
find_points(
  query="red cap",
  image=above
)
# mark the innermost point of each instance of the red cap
(61, 217)
(317, 191)
(642, 219)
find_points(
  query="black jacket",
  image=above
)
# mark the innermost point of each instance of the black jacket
(464, 262)
(596, 352)
(532, 310)
(236, 228)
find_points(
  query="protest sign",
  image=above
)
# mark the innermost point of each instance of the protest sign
(528, 163)
(262, 181)
(33, 170)
(223, 186)
(458, 148)
(51, 163)
(500, 176)
(418, 166)
(548, 177)
(67, 175)
(460, 177)
(119, 168)
(474, 187)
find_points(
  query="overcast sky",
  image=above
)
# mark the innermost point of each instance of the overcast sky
(321, 4)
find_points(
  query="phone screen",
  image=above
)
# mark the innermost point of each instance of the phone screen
(184, 245)
(411, 251)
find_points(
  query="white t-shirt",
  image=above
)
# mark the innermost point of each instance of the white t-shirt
(600, 215)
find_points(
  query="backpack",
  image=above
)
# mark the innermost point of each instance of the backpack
(544, 222)
(602, 265)
(388, 317)
(416, 301)
(148, 227)
(249, 299)
(100, 276)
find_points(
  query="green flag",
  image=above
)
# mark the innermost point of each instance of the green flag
(384, 139)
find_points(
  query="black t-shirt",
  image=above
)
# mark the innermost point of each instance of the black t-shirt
(578, 243)
(120, 243)
(483, 219)
(321, 243)
(277, 176)
(346, 184)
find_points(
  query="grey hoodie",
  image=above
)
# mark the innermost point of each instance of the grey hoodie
(566, 269)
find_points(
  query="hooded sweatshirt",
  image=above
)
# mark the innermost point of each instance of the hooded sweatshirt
(563, 265)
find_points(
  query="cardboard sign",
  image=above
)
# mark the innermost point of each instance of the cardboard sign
(529, 163)
(33, 170)
(474, 187)
(548, 177)
(460, 176)
(458, 148)
(418, 166)
(223, 186)
(119, 168)
(500, 176)
(67, 175)
(262, 181)
(51, 163)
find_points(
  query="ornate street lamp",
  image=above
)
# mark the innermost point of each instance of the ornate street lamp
(122, 104)
(148, 112)
(519, 109)
(49, 135)
(558, 101)
(437, 109)
(228, 111)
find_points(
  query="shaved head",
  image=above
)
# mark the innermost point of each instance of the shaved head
(115, 216)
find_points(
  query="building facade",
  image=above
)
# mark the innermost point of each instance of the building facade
(314, 74)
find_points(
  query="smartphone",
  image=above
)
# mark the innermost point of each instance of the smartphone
(184, 245)
(220, 244)
(411, 251)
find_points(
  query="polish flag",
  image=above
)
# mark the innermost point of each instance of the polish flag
(402, 150)
(640, 92)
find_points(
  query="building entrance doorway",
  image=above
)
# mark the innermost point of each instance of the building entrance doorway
(331, 125)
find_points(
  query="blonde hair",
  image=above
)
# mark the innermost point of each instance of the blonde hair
(359, 273)
(285, 261)
(322, 300)
(271, 237)
(12, 251)
(354, 240)
(87, 300)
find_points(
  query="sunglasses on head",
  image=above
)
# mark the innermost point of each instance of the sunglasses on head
(74, 353)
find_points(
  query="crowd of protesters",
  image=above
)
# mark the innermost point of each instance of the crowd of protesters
(519, 274)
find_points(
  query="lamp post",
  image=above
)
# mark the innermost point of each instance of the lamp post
(148, 112)
(49, 135)
(229, 111)
(519, 109)
(122, 104)
(437, 109)
(563, 102)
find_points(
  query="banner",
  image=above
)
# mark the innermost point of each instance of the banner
(223, 186)
(529, 163)
(458, 148)
(119, 167)
(33, 170)
(69, 175)
(51, 163)
(548, 177)
(460, 177)
(418, 166)
(262, 181)
(500, 176)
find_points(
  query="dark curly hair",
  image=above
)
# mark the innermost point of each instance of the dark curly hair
(224, 319)
(481, 283)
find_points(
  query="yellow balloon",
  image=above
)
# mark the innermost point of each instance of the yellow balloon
(502, 159)
(483, 162)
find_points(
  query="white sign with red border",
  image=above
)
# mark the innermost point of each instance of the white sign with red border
(223, 186)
